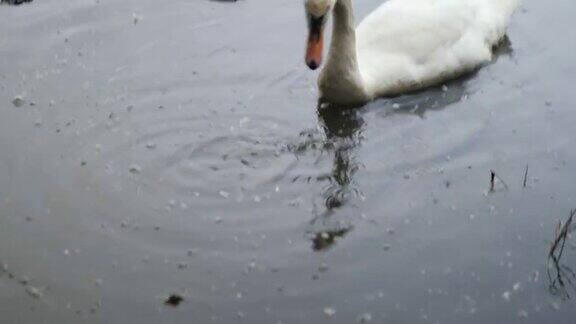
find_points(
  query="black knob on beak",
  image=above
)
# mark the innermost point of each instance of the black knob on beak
(312, 64)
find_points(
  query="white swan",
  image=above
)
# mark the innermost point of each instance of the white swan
(402, 46)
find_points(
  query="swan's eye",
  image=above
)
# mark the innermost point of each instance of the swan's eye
(315, 24)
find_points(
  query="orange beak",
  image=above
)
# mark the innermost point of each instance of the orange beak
(314, 50)
(315, 43)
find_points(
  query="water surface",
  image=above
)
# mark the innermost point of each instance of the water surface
(175, 146)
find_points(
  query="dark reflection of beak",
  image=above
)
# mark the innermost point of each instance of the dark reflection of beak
(315, 42)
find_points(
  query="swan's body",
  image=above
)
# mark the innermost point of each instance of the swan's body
(405, 45)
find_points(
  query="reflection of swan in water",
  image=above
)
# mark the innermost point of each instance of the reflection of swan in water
(342, 129)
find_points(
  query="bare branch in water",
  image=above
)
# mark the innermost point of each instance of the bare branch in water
(561, 235)
(564, 275)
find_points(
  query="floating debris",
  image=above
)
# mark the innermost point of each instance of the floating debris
(34, 292)
(18, 101)
(224, 194)
(135, 169)
(522, 313)
(136, 18)
(15, 2)
(364, 318)
(174, 300)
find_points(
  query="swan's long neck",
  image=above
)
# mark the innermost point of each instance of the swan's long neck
(340, 79)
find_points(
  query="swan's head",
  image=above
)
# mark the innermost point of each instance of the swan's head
(316, 14)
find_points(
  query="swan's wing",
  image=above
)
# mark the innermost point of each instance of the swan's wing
(409, 42)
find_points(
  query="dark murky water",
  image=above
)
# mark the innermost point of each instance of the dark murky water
(174, 147)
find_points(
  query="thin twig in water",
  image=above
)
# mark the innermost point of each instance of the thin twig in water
(494, 176)
(525, 177)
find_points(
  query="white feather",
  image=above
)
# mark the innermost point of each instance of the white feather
(408, 44)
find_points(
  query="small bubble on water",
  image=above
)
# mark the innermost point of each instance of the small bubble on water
(506, 296)
(329, 311)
